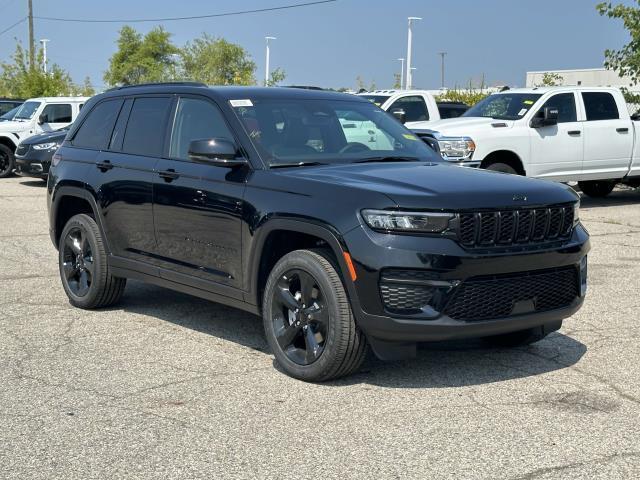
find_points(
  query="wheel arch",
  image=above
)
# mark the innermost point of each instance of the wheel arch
(508, 157)
(69, 201)
(9, 142)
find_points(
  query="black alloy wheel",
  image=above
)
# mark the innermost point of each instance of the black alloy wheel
(77, 261)
(6, 161)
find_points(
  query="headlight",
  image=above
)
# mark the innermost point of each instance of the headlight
(576, 213)
(456, 148)
(46, 146)
(407, 221)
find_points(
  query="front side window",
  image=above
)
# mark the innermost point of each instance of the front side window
(566, 105)
(27, 111)
(195, 119)
(414, 107)
(504, 106)
(600, 106)
(291, 131)
(57, 113)
(96, 129)
(145, 131)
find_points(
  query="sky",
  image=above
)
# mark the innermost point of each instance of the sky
(329, 45)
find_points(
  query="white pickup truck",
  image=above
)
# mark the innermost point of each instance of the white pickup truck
(558, 133)
(36, 115)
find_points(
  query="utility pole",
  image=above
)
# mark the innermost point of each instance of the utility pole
(266, 68)
(442, 54)
(44, 41)
(409, 40)
(32, 43)
(401, 73)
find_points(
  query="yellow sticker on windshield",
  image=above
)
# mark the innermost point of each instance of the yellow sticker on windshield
(409, 137)
(528, 102)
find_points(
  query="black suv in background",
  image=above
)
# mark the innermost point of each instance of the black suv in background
(254, 197)
(8, 104)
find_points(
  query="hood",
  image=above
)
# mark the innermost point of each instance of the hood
(14, 126)
(439, 186)
(45, 138)
(463, 125)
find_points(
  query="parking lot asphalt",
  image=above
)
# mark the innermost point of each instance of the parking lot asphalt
(169, 386)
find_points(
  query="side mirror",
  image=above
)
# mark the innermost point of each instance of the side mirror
(545, 117)
(43, 119)
(400, 114)
(635, 117)
(216, 151)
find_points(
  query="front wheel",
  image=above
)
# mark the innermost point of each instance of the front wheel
(597, 188)
(502, 167)
(308, 320)
(7, 161)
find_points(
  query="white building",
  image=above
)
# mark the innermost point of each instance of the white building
(586, 77)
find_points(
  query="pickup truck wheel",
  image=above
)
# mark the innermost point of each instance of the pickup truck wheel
(597, 188)
(7, 161)
(502, 167)
(308, 320)
(83, 265)
(520, 338)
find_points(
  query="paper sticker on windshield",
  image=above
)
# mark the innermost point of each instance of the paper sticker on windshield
(241, 103)
(528, 102)
(409, 136)
(522, 112)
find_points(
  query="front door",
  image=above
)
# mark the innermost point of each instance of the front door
(198, 206)
(557, 151)
(55, 116)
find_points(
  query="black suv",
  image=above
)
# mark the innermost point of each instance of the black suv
(316, 210)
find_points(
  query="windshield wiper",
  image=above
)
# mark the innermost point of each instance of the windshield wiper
(296, 164)
(389, 159)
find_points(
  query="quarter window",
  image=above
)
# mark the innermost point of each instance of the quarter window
(600, 106)
(196, 120)
(415, 110)
(57, 113)
(145, 131)
(566, 105)
(96, 129)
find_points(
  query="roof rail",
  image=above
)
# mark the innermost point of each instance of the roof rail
(160, 84)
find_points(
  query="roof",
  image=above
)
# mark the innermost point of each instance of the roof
(564, 88)
(394, 91)
(58, 99)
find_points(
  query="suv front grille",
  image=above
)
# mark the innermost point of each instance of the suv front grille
(406, 291)
(498, 296)
(22, 150)
(515, 227)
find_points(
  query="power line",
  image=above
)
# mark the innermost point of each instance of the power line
(194, 17)
(14, 25)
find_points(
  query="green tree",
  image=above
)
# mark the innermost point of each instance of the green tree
(215, 61)
(277, 76)
(18, 79)
(626, 61)
(551, 79)
(140, 59)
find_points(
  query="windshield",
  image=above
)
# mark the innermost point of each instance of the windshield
(9, 115)
(27, 110)
(376, 99)
(504, 106)
(289, 132)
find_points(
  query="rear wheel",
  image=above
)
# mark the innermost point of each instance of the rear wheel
(597, 188)
(83, 265)
(502, 167)
(7, 161)
(308, 320)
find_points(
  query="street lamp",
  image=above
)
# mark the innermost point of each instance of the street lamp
(44, 41)
(401, 72)
(409, 39)
(266, 68)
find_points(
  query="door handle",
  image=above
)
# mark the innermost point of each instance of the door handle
(622, 130)
(104, 165)
(169, 175)
(574, 132)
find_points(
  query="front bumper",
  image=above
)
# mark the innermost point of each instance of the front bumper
(35, 163)
(449, 266)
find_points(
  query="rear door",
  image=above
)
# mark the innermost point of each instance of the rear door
(608, 137)
(198, 206)
(557, 151)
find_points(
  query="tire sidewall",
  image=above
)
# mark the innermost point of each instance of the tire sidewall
(502, 168)
(12, 161)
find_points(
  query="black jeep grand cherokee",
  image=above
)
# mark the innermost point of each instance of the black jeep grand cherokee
(318, 211)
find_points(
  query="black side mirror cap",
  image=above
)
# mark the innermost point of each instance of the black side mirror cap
(400, 114)
(42, 119)
(216, 151)
(546, 117)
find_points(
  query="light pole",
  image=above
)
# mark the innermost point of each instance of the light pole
(442, 54)
(266, 68)
(44, 41)
(409, 39)
(401, 72)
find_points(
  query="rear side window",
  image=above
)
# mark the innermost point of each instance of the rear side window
(196, 120)
(95, 131)
(566, 105)
(600, 106)
(415, 110)
(146, 126)
(57, 113)
(451, 111)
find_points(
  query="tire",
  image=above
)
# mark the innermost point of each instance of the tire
(82, 260)
(501, 167)
(597, 188)
(7, 161)
(317, 342)
(522, 338)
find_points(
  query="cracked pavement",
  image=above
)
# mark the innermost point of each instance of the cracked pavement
(169, 386)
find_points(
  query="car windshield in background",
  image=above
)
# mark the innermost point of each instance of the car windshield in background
(504, 106)
(27, 110)
(9, 115)
(299, 132)
(376, 99)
